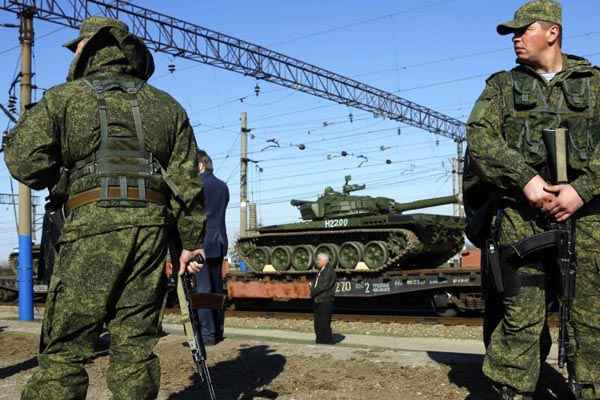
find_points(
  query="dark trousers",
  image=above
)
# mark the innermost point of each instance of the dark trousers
(322, 321)
(210, 280)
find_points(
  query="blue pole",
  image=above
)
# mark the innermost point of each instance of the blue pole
(25, 272)
(25, 279)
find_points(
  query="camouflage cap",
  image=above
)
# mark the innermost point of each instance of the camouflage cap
(530, 12)
(90, 26)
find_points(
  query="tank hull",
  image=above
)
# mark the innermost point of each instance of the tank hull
(374, 243)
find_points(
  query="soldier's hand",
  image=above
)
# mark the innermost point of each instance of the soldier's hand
(566, 202)
(186, 263)
(534, 192)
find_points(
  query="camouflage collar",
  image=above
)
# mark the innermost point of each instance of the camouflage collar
(572, 65)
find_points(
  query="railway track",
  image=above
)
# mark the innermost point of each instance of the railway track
(375, 319)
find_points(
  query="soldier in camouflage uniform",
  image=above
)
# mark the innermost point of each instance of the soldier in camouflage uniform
(547, 89)
(130, 155)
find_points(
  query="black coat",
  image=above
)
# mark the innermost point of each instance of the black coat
(216, 198)
(323, 290)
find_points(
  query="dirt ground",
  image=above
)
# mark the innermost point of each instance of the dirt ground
(249, 369)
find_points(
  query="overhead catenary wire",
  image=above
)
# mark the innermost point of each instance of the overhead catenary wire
(371, 180)
(287, 198)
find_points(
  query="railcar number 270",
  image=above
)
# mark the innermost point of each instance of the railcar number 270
(336, 223)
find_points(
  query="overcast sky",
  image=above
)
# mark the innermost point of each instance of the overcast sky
(435, 53)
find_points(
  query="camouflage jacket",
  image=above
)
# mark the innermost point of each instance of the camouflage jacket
(504, 130)
(64, 128)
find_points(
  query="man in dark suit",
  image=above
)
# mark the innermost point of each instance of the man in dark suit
(210, 279)
(322, 291)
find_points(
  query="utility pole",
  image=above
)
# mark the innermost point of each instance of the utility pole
(458, 165)
(25, 271)
(244, 175)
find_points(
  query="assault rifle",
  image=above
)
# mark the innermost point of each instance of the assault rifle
(556, 146)
(194, 302)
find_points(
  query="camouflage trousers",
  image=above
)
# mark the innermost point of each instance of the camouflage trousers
(521, 341)
(115, 279)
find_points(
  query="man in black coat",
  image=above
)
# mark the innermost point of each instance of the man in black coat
(322, 291)
(210, 279)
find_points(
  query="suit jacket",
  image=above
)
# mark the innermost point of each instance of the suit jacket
(216, 198)
(323, 285)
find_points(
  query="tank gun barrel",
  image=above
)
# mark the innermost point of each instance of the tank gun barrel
(298, 203)
(426, 203)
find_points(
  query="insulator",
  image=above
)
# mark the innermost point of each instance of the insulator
(171, 68)
(399, 131)
(344, 153)
(301, 146)
(388, 161)
(257, 90)
(351, 117)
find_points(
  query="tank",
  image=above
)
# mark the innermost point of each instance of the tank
(358, 233)
(8, 276)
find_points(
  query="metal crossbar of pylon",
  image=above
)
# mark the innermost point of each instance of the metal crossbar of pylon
(186, 40)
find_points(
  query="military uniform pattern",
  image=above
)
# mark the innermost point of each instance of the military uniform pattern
(507, 150)
(91, 285)
(109, 266)
(64, 127)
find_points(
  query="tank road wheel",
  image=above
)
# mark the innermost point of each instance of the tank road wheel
(376, 254)
(331, 250)
(350, 254)
(259, 258)
(245, 248)
(302, 257)
(281, 257)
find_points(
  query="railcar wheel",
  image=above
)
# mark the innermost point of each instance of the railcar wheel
(302, 257)
(376, 254)
(281, 257)
(350, 254)
(331, 250)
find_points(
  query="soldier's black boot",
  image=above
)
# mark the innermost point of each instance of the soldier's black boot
(582, 391)
(508, 393)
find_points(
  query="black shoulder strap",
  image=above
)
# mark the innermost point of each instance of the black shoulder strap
(132, 87)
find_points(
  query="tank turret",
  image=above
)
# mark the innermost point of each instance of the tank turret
(332, 204)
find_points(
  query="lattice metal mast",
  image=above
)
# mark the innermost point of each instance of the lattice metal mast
(183, 39)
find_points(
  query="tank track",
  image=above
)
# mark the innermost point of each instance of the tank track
(8, 288)
(398, 249)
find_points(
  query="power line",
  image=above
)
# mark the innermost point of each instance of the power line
(286, 199)
(368, 166)
(354, 24)
(371, 181)
(8, 50)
